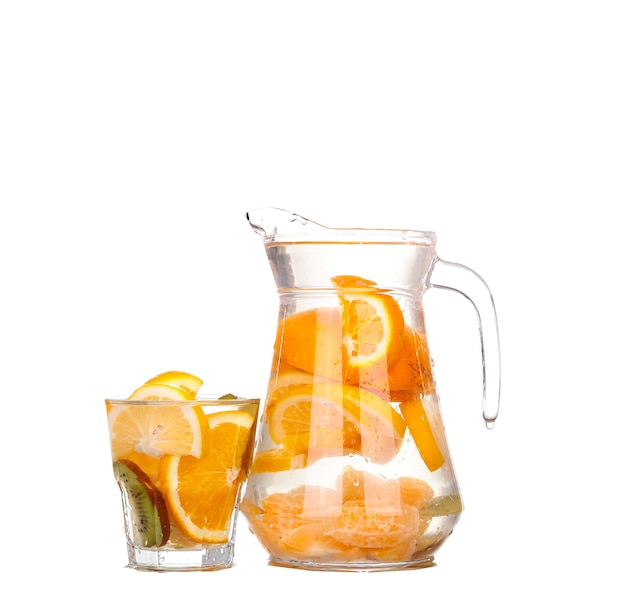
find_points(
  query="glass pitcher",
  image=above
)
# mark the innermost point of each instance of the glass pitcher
(352, 469)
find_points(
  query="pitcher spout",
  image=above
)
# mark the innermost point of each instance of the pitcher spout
(270, 222)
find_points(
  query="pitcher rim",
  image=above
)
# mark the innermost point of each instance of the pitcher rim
(312, 232)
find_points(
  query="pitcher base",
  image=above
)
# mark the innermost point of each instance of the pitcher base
(365, 566)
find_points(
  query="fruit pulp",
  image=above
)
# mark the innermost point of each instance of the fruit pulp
(352, 469)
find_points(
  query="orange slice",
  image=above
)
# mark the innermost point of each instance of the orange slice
(149, 465)
(381, 523)
(411, 376)
(155, 430)
(352, 281)
(357, 340)
(358, 485)
(310, 341)
(229, 440)
(178, 378)
(201, 493)
(290, 375)
(312, 409)
(278, 460)
(366, 518)
(291, 524)
(298, 408)
(372, 327)
(160, 392)
(321, 441)
(421, 430)
(309, 539)
(373, 331)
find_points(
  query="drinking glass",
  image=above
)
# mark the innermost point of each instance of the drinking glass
(181, 467)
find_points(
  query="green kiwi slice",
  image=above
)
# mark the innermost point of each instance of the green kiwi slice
(147, 520)
(444, 505)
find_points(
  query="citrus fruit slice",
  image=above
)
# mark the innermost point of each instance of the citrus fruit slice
(308, 408)
(310, 341)
(229, 441)
(415, 492)
(372, 327)
(358, 485)
(201, 492)
(309, 539)
(179, 378)
(160, 392)
(290, 375)
(278, 460)
(155, 429)
(420, 428)
(322, 441)
(291, 524)
(352, 281)
(373, 524)
(411, 376)
(150, 465)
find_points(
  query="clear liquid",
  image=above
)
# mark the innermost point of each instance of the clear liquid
(344, 512)
(399, 266)
(351, 484)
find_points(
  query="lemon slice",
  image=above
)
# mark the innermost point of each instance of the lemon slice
(160, 392)
(178, 378)
(155, 430)
(308, 408)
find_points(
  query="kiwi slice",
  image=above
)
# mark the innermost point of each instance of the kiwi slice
(147, 520)
(444, 505)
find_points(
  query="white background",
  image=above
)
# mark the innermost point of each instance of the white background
(135, 136)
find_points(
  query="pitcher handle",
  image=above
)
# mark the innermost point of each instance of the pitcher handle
(454, 276)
